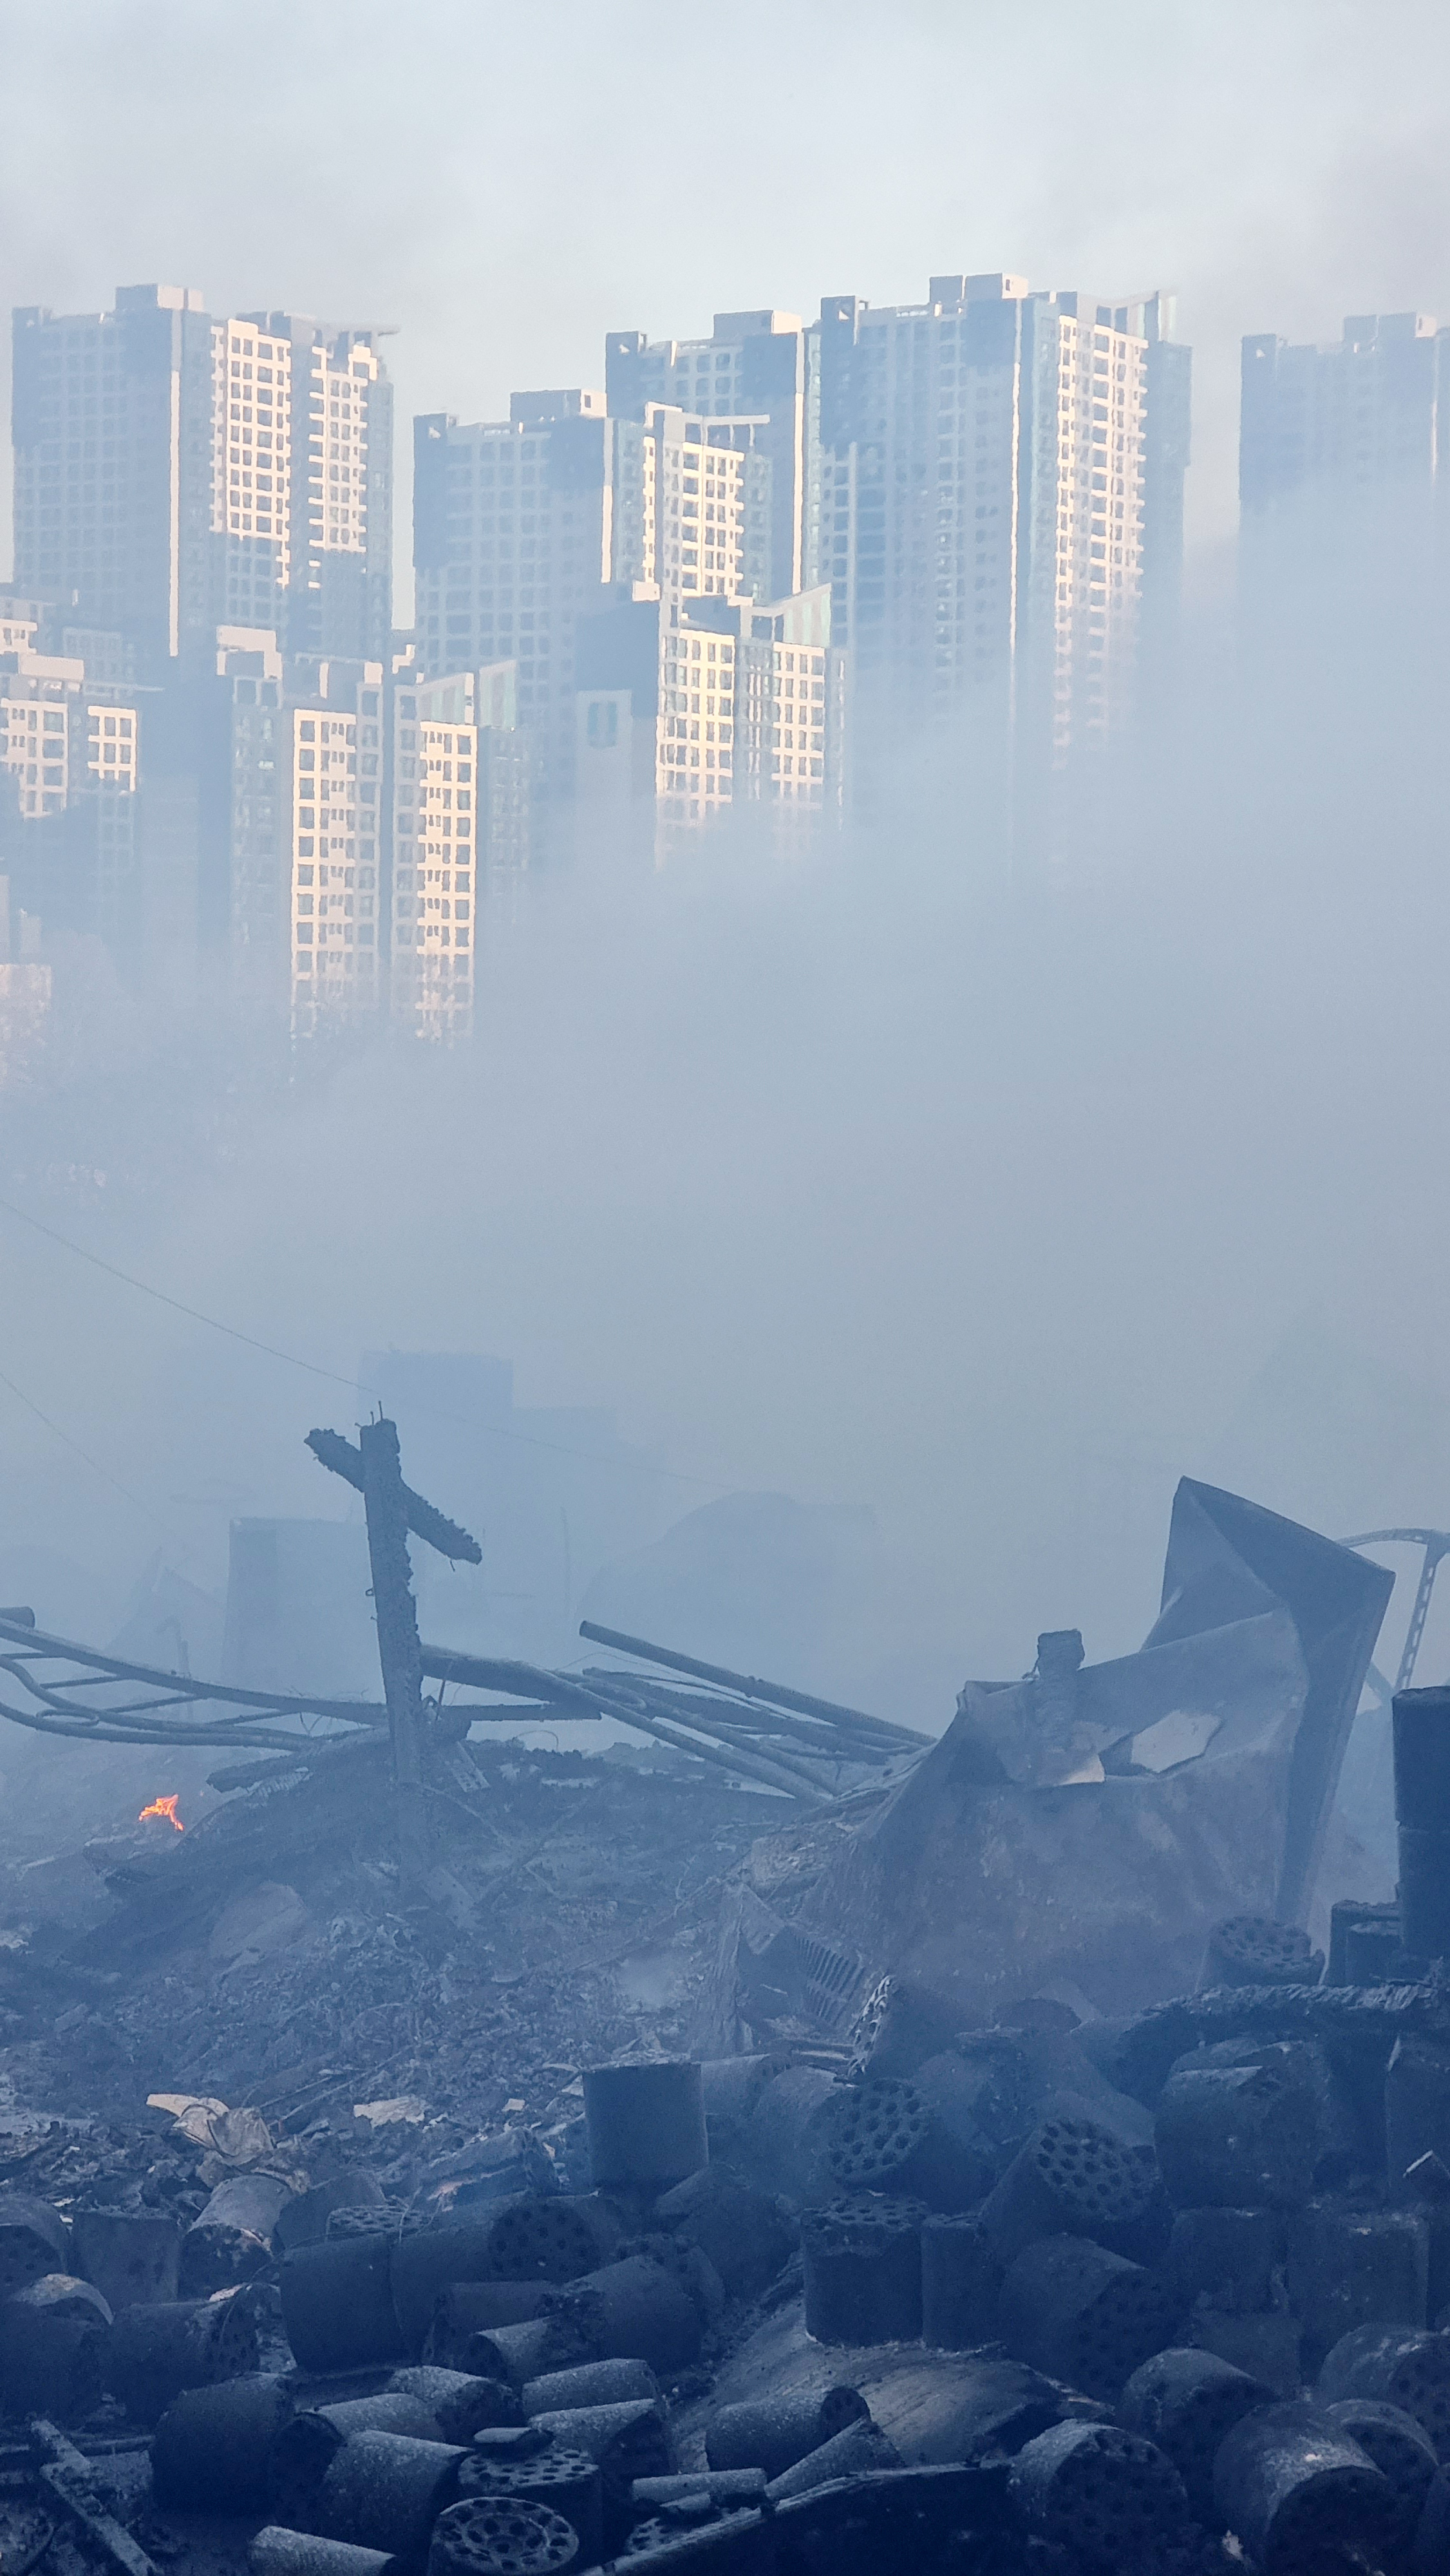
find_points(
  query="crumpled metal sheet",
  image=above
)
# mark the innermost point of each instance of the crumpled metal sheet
(1095, 1828)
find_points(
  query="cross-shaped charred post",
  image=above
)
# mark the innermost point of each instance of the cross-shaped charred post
(374, 1468)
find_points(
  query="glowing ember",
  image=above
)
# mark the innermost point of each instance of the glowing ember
(163, 1807)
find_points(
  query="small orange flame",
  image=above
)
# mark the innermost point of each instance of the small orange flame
(163, 1807)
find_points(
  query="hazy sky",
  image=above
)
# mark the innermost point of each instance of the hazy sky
(505, 184)
(841, 1182)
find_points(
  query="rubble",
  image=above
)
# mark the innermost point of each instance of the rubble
(968, 2163)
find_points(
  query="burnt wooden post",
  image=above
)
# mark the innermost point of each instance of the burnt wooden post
(374, 1468)
(400, 1650)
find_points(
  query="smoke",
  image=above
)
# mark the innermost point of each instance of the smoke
(874, 1179)
(878, 1179)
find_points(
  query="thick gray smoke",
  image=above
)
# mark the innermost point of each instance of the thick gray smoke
(881, 1182)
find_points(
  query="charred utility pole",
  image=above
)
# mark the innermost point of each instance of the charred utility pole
(374, 1468)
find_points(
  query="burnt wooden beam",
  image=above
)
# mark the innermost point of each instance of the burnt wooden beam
(433, 1527)
(399, 1650)
(855, 1721)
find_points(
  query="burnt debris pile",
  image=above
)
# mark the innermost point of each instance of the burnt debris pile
(936, 2306)
(781, 2150)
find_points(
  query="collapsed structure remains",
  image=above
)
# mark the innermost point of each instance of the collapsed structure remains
(444, 2157)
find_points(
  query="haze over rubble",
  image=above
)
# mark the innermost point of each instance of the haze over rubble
(880, 1181)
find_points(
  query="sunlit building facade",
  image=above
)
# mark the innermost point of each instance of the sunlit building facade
(175, 471)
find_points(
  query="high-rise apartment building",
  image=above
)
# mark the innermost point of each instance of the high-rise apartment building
(1366, 413)
(512, 536)
(757, 365)
(69, 765)
(520, 525)
(306, 828)
(1344, 466)
(362, 826)
(435, 852)
(989, 458)
(701, 712)
(692, 506)
(175, 472)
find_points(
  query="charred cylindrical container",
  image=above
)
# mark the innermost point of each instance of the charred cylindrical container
(1072, 2178)
(1400, 2448)
(460, 2403)
(593, 2383)
(211, 2449)
(1298, 2493)
(431, 2260)
(1250, 1950)
(772, 2433)
(1239, 2137)
(132, 2255)
(386, 2491)
(1422, 1815)
(863, 2274)
(552, 2237)
(337, 2304)
(1403, 2367)
(857, 2452)
(278, 2552)
(646, 2125)
(1101, 2498)
(568, 2482)
(634, 2310)
(501, 2536)
(1188, 2403)
(961, 2280)
(1081, 2314)
(156, 2352)
(626, 2442)
(231, 2239)
(33, 2239)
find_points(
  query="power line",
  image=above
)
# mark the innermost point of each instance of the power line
(355, 1386)
(64, 1436)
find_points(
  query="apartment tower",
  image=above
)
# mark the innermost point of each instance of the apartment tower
(175, 472)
